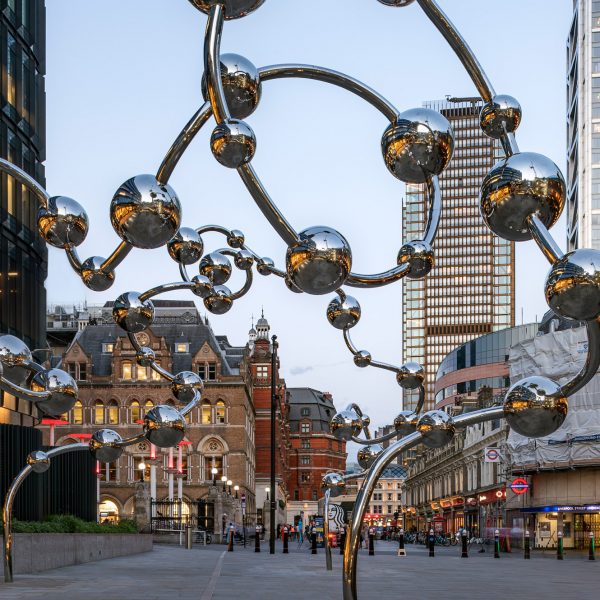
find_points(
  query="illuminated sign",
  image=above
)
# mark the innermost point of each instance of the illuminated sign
(519, 485)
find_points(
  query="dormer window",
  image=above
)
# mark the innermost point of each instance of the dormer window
(207, 371)
(262, 371)
(305, 412)
(108, 348)
(182, 348)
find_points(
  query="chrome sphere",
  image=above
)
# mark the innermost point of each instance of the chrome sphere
(145, 356)
(235, 239)
(186, 246)
(185, 385)
(63, 222)
(334, 482)
(345, 424)
(410, 375)
(436, 427)
(502, 114)
(320, 262)
(343, 314)
(406, 422)
(517, 187)
(131, 314)
(233, 143)
(92, 275)
(144, 212)
(13, 351)
(573, 285)
(367, 455)
(164, 426)
(243, 260)
(241, 85)
(217, 267)
(419, 257)
(396, 2)
(219, 301)
(234, 9)
(418, 145)
(61, 388)
(105, 445)
(202, 286)
(535, 407)
(264, 265)
(362, 358)
(39, 461)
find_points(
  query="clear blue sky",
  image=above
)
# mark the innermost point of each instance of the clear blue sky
(123, 77)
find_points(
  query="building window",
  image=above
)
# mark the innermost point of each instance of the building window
(304, 476)
(113, 412)
(305, 460)
(220, 412)
(202, 370)
(305, 428)
(155, 375)
(296, 495)
(148, 406)
(305, 412)
(136, 414)
(212, 371)
(126, 370)
(181, 348)
(108, 348)
(314, 494)
(305, 444)
(141, 373)
(262, 371)
(99, 412)
(82, 372)
(389, 509)
(211, 462)
(77, 417)
(206, 412)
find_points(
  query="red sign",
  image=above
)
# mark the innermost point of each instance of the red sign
(519, 485)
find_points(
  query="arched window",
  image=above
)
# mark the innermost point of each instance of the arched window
(126, 370)
(99, 412)
(77, 417)
(220, 412)
(113, 412)
(148, 406)
(136, 414)
(206, 412)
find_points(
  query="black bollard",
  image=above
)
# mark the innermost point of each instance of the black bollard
(431, 543)
(371, 542)
(401, 550)
(463, 539)
(313, 539)
(231, 534)
(496, 544)
(257, 540)
(592, 553)
(559, 546)
(285, 540)
(342, 540)
(527, 554)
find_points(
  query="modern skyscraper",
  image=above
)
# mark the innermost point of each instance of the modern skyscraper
(583, 126)
(470, 291)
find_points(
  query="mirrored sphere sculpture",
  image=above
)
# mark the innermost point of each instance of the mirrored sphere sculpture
(499, 116)
(343, 314)
(436, 427)
(185, 385)
(367, 455)
(63, 222)
(234, 9)
(39, 461)
(61, 389)
(186, 246)
(164, 426)
(233, 143)
(335, 483)
(105, 445)
(131, 313)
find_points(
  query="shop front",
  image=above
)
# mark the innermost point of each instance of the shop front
(471, 514)
(491, 511)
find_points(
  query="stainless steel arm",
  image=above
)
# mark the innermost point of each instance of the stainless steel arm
(378, 440)
(117, 257)
(435, 210)
(592, 361)
(212, 63)
(22, 392)
(374, 363)
(421, 400)
(164, 288)
(543, 239)
(36, 189)
(358, 280)
(154, 366)
(74, 259)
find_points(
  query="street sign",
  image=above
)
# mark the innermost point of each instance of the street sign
(243, 504)
(491, 455)
(519, 485)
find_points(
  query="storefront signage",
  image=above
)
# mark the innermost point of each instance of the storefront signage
(572, 508)
(519, 485)
(491, 455)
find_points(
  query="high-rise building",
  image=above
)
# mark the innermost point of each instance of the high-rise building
(583, 126)
(470, 291)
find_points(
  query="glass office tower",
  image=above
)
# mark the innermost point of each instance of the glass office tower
(470, 291)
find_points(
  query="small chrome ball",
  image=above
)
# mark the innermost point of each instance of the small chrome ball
(235, 239)
(145, 213)
(518, 187)
(410, 375)
(396, 2)
(61, 389)
(346, 424)
(367, 455)
(241, 85)
(436, 427)
(217, 267)
(362, 358)
(535, 407)
(418, 145)
(406, 422)
(202, 286)
(131, 314)
(419, 257)
(343, 314)
(63, 222)
(233, 143)
(164, 426)
(105, 445)
(502, 114)
(145, 356)
(39, 461)
(219, 301)
(92, 275)
(185, 385)
(334, 482)
(233, 9)
(13, 351)
(320, 262)
(243, 260)
(264, 265)
(573, 285)
(186, 246)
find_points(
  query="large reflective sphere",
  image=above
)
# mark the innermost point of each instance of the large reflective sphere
(234, 9)
(334, 482)
(419, 257)
(202, 286)
(345, 425)
(39, 461)
(186, 246)
(105, 445)
(164, 426)
(410, 375)
(131, 314)
(233, 143)
(320, 262)
(185, 385)
(94, 277)
(241, 85)
(145, 213)
(343, 314)
(406, 422)
(63, 222)
(573, 285)
(436, 427)
(61, 388)
(14, 355)
(418, 145)
(367, 455)
(219, 301)
(517, 187)
(217, 267)
(502, 114)
(535, 407)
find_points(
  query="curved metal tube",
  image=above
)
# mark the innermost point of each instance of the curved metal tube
(21, 392)
(328, 563)
(117, 257)
(10, 499)
(134, 439)
(379, 279)
(592, 361)
(421, 400)
(74, 259)
(245, 288)
(374, 363)
(383, 438)
(212, 63)
(543, 239)
(164, 288)
(435, 210)
(36, 189)
(191, 404)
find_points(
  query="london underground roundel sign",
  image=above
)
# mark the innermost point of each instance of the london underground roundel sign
(519, 485)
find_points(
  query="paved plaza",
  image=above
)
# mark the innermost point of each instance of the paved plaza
(171, 572)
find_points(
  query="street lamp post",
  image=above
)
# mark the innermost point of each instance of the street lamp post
(236, 488)
(229, 484)
(273, 411)
(224, 482)
(214, 472)
(142, 468)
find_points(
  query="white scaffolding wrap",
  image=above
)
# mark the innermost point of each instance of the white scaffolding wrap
(559, 355)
